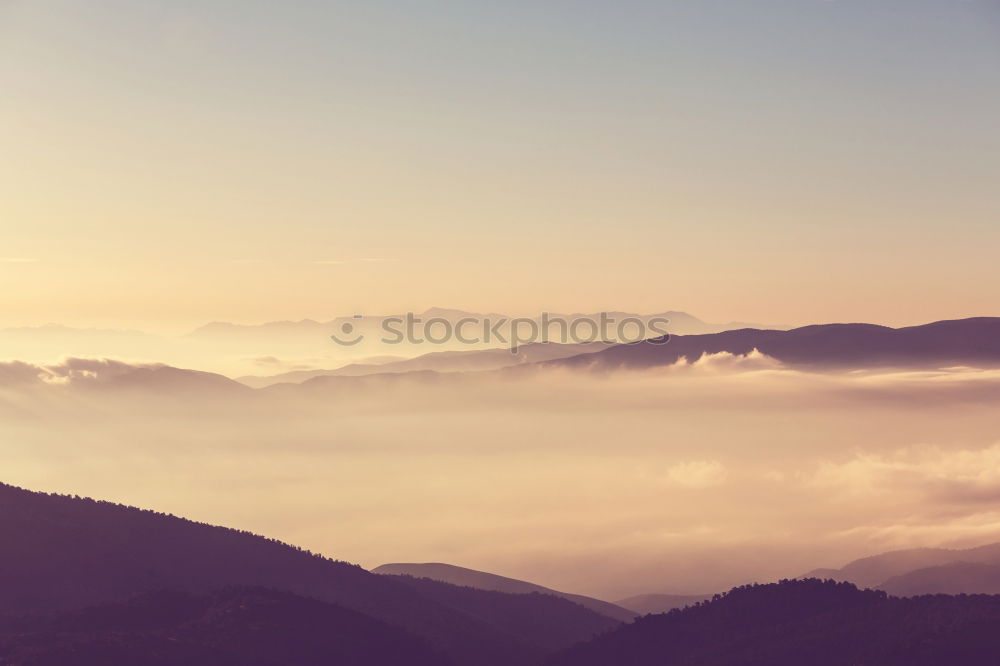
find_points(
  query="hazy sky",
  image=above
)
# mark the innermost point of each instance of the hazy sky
(167, 163)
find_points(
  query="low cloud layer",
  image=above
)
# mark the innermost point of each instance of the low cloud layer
(686, 478)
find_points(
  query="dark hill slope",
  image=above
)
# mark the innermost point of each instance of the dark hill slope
(517, 614)
(449, 573)
(820, 623)
(231, 627)
(62, 553)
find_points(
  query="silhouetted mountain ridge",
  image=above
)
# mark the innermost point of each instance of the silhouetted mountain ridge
(449, 573)
(440, 361)
(874, 570)
(517, 614)
(644, 604)
(111, 375)
(791, 623)
(63, 552)
(951, 578)
(939, 344)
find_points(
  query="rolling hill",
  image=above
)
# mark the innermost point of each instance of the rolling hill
(875, 570)
(643, 604)
(820, 623)
(449, 573)
(64, 553)
(952, 578)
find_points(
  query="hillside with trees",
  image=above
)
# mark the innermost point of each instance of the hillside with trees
(791, 623)
(236, 626)
(63, 553)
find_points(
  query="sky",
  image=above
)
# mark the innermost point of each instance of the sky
(165, 164)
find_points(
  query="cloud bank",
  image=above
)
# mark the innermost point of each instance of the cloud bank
(688, 478)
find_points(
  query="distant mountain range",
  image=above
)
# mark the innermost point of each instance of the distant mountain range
(252, 350)
(832, 346)
(943, 343)
(643, 604)
(680, 322)
(109, 375)
(900, 573)
(940, 344)
(299, 347)
(442, 361)
(449, 573)
(951, 578)
(924, 571)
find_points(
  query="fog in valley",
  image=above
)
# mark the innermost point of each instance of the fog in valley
(687, 479)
